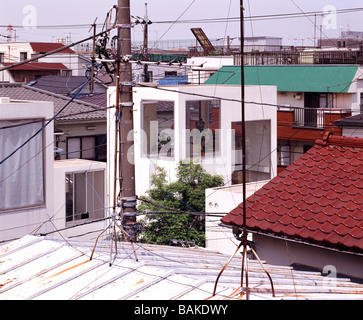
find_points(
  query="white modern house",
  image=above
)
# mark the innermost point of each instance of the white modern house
(73, 61)
(20, 51)
(37, 194)
(26, 169)
(202, 123)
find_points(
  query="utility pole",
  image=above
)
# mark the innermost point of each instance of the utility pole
(125, 121)
(93, 57)
(244, 228)
(146, 23)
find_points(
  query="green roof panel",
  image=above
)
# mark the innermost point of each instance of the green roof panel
(317, 78)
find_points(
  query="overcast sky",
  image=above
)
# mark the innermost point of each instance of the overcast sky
(74, 12)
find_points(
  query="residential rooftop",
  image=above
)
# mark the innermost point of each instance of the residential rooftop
(291, 78)
(76, 110)
(354, 121)
(317, 199)
(36, 267)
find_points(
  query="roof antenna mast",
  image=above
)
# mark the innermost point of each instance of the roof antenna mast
(236, 231)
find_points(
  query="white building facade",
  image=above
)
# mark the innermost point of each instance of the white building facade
(199, 123)
(26, 169)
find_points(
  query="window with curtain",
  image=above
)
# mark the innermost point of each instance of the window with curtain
(21, 175)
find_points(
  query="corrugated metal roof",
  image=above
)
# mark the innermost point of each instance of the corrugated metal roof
(322, 78)
(39, 268)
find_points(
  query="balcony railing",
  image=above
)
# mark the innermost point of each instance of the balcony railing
(313, 117)
(300, 57)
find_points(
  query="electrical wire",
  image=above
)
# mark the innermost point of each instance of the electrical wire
(41, 129)
(174, 22)
(265, 17)
(188, 93)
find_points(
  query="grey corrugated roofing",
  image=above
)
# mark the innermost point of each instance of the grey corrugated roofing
(39, 268)
(76, 110)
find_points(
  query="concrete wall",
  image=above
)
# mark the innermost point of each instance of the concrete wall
(280, 252)
(219, 202)
(12, 50)
(353, 132)
(73, 61)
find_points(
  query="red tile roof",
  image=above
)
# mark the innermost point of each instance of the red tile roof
(42, 47)
(38, 66)
(318, 199)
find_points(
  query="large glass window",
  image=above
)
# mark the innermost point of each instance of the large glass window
(84, 196)
(158, 129)
(88, 147)
(258, 151)
(21, 175)
(202, 124)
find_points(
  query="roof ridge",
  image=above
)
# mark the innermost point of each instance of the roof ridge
(340, 141)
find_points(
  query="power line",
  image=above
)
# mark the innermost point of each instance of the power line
(224, 99)
(207, 20)
(56, 50)
(263, 17)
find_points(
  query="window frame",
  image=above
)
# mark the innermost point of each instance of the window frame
(97, 144)
(23, 55)
(43, 203)
(71, 219)
(190, 145)
(147, 138)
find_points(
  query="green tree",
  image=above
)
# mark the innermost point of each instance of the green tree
(187, 194)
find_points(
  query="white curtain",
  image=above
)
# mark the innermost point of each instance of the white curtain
(21, 176)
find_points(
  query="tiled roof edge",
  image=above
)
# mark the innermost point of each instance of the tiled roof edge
(341, 141)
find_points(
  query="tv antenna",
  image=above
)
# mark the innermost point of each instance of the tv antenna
(244, 242)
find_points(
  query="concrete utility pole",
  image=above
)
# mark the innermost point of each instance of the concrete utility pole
(146, 46)
(125, 100)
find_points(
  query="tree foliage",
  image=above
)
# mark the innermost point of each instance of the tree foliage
(186, 194)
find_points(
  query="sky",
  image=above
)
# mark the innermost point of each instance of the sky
(44, 15)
